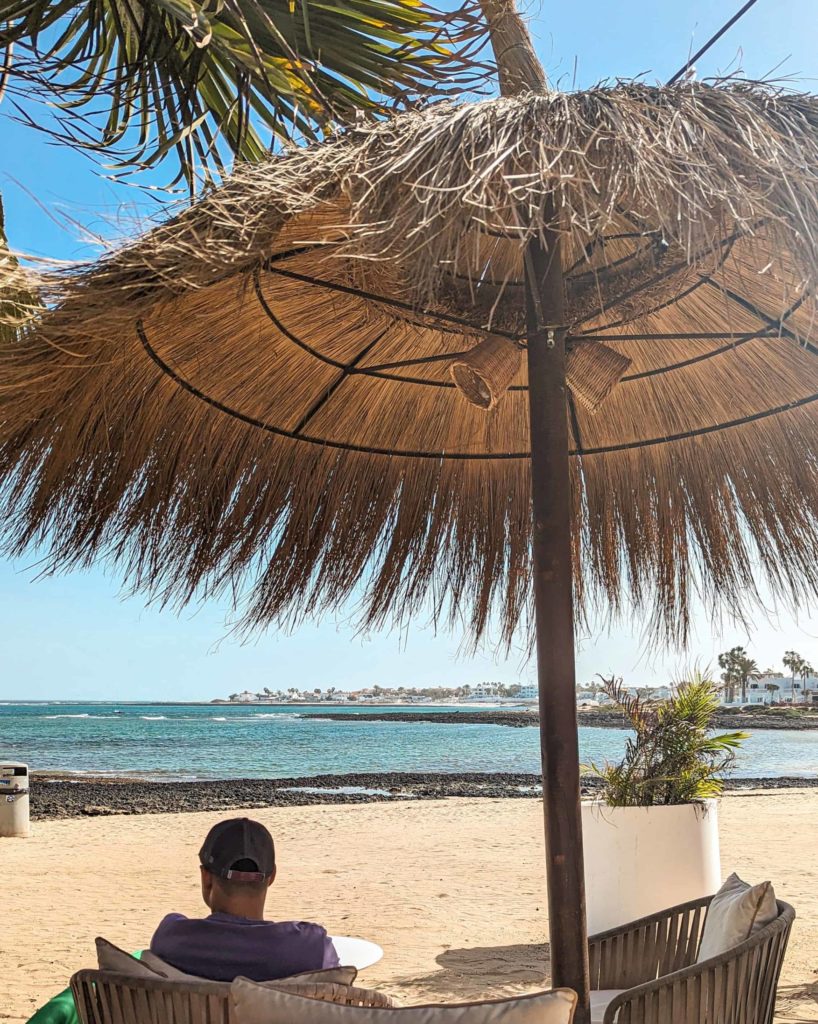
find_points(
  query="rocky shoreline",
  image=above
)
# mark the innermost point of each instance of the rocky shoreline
(513, 719)
(54, 796)
(591, 717)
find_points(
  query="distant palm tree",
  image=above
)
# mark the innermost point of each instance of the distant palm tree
(729, 661)
(747, 669)
(772, 688)
(793, 661)
(805, 670)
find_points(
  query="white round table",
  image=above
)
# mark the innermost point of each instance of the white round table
(352, 952)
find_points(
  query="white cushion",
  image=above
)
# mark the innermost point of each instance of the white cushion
(599, 1002)
(253, 1004)
(112, 958)
(735, 913)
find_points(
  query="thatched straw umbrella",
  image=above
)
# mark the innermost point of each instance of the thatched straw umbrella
(339, 374)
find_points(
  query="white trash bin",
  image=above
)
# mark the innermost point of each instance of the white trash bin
(14, 812)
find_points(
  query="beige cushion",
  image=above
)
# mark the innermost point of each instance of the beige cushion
(328, 976)
(599, 1002)
(735, 913)
(167, 970)
(112, 958)
(253, 1004)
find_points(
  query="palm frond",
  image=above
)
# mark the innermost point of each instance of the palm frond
(18, 303)
(137, 80)
(674, 757)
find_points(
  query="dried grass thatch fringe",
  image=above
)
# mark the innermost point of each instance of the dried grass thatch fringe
(687, 160)
(174, 454)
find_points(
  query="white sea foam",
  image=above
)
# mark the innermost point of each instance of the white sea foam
(154, 718)
(218, 719)
(73, 716)
(343, 790)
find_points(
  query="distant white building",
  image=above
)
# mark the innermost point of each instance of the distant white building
(482, 691)
(788, 690)
(528, 692)
(246, 697)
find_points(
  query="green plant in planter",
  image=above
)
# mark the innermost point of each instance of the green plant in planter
(675, 757)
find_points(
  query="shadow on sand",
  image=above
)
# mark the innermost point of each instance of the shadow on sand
(797, 1004)
(496, 971)
(480, 972)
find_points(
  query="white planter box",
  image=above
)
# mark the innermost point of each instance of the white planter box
(639, 860)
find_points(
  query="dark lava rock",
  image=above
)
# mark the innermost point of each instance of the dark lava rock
(514, 719)
(602, 718)
(58, 797)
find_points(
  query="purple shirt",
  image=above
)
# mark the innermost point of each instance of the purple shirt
(223, 947)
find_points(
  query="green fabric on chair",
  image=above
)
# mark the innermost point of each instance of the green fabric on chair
(60, 1009)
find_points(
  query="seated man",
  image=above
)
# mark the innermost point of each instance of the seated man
(238, 868)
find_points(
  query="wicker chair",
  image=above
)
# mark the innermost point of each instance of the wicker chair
(103, 997)
(654, 961)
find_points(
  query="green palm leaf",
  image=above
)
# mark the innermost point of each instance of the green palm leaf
(137, 80)
(17, 302)
(675, 756)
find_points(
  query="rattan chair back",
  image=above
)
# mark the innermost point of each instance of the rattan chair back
(654, 960)
(104, 997)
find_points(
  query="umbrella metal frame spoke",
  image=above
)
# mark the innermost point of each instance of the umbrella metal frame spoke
(769, 328)
(271, 428)
(725, 247)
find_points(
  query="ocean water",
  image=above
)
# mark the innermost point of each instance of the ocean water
(216, 742)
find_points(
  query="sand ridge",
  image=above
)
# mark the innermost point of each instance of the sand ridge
(453, 890)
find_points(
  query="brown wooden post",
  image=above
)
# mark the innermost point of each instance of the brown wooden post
(519, 71)
(554, 611)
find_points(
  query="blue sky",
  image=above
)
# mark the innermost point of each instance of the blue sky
(77, 637)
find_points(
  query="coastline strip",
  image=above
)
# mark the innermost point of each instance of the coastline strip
(60, 796)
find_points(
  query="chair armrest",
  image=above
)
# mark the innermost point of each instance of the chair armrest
(644, 950)
(680, 998)
(736, 987)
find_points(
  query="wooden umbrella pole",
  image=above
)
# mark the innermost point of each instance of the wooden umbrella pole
(520, 71)
(554, 618)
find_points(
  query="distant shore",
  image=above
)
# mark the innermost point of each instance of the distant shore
(61, 796)
(592, 717)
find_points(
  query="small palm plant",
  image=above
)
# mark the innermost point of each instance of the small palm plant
(674, 757)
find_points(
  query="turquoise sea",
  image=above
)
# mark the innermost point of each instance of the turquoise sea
(170, 741)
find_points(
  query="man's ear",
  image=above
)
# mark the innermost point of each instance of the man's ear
(271, 879)
(207, 885)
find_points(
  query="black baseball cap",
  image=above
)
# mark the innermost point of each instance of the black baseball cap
(239, 841)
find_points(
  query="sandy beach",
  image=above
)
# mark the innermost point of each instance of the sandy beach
(452, 889)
